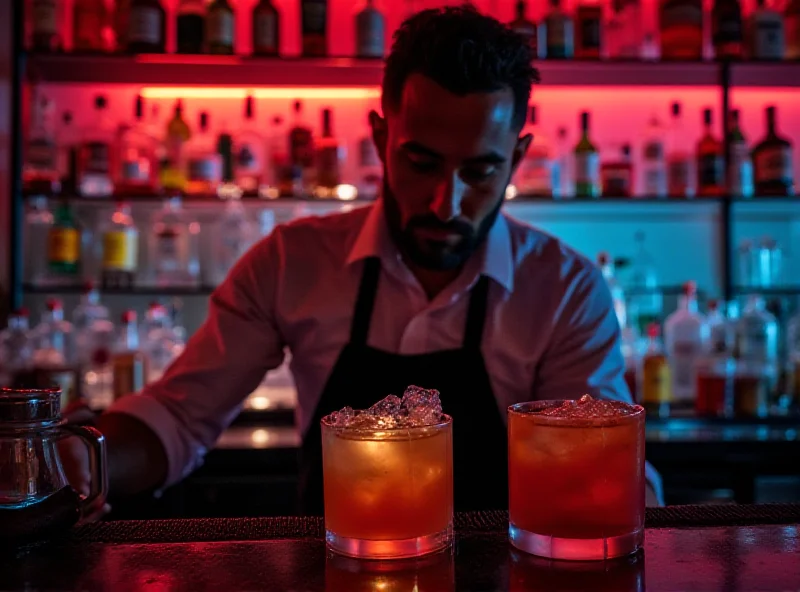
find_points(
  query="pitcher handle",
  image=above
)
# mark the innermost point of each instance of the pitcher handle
(97, 463)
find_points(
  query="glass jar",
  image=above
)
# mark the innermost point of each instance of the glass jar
(36, 500)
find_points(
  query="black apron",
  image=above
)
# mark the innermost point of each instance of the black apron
(363, 375)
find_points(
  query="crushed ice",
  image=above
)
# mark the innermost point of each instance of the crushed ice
(418, 407)
(587, 408)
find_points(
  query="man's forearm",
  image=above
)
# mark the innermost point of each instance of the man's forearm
(137, 461)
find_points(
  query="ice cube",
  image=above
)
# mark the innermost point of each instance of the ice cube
(422, 406)
(418, 407)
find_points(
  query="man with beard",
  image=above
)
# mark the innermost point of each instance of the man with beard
(431, 285)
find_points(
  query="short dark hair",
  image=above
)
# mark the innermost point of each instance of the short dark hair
(462, 51)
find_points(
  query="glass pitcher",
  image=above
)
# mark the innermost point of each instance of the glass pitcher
(36, 500)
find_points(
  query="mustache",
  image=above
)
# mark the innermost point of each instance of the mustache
(430, 221)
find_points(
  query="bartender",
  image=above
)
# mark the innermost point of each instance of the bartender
(432, 285)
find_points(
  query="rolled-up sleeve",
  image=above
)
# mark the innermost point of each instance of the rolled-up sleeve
(585, 354)
(202, 391)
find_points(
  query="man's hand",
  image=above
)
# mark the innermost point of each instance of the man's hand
(74, 456)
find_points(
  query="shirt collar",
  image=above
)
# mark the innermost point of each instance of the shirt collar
(494, 255)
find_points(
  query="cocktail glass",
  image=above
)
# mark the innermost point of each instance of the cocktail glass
(388, 492)
(576, 478)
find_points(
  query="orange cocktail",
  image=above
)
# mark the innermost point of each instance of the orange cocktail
(388, 491)
(576, 478)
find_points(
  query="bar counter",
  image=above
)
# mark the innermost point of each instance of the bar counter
(704, 548)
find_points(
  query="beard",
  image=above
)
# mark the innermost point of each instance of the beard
(432, 254)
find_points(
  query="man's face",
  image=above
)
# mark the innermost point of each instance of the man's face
(447, 162)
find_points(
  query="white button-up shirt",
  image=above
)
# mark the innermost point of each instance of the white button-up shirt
(551, 331)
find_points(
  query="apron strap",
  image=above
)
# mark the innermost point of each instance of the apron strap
(476, 314)
(362, 314)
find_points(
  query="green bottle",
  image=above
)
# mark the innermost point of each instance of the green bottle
(587, 163)
(64, 242)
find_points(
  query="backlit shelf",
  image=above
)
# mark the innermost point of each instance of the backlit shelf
(79, 288)
(171, 70)
(768, 74)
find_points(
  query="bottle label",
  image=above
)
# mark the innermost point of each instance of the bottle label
(679, 173)
(328, 166)
(45, 17)
(655, 179)
(135, 170)
(63, 245)
(42, 154)
(167, 244)
(769, 39)
(144, 25)
(677, 14)
(205, 168)
(557, 39)
(120, 250)
(656, 380)
(535, 173)
(710, 170)
(301, 147)
(97, 157)
(683, 360)
(265, 34)
(129, 373)
(220, 28)
(741, 173)
(774, 164)
(590, 31)
(587, 167)
(369, 33)
(313, 17)
(246, 158)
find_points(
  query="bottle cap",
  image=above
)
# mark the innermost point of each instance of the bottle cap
(676, 108)
(690, 288)
(54, 304)
(249, 107)
(22, 311)
(653, 330)
(89, 286)
(129, 316)
(603, 258)
(713, 304)
(100, 102)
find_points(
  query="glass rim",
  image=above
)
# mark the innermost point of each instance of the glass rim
(446, 422)
(517, 409)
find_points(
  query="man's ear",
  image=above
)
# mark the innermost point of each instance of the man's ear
(379, 134)
(521, 148)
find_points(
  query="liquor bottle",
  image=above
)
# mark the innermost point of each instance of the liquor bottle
(173, 167)
(757, 338)
(680, 180)
(616, 176)
(45, 16)
(645, 299)
(159, 341)
(67, 159)
(94, 337)
(726, 27)
(191, 25)
(89, 22)
(624, 31)
(370, 169)
(720, 331)
(687, 336)
(710, 162)
(224, 149)
(314, 19)
(220, 28)
(234, 234)
(53, 362)
(765, 33)
(128, 362)
(64, 245)
(370, 31)
(589, 24)
(146, 27)
(654, 166)
(40, 165)
(534, 176)
(250, 153)
(266, 29)
(328, 157)
(278, 172)
(772, 161)
(793, 359)
(656, 377)
(606, 265)
(37, 226)
(90, 309)
(94, 159)
(523, 26)
(120, 243)
(136, 164)
(740, 182)
(792, 29)
(204, 164)
(587, 163)
(16, 348)
(716, 370)
(301, 150)
(681, 24)
(556, 34)
(562, 178)
(174, 246)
